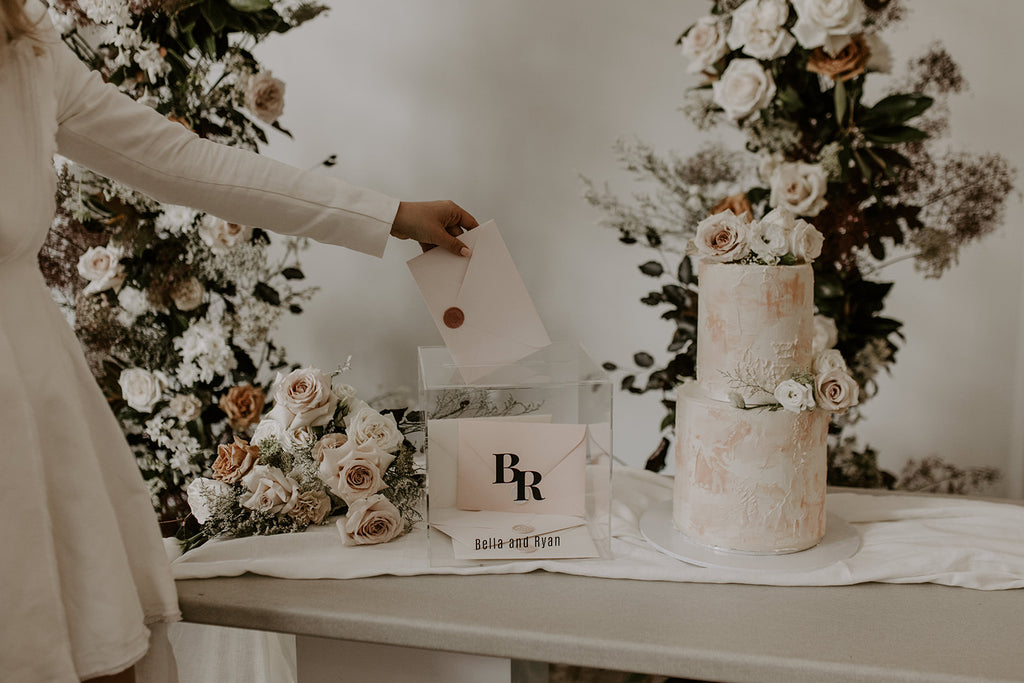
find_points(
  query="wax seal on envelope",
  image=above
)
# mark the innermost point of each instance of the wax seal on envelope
(479, 303)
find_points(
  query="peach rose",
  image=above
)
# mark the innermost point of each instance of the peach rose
(311, 507)
(264, 97)
(234, 460)
(851, 61)
(187, 294)
(369, 521)
(836, 390)
(738, 204)
(243, 405)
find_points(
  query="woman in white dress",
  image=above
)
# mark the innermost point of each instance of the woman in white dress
(82, 565)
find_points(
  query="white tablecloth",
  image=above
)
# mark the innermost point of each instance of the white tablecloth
(904, 539)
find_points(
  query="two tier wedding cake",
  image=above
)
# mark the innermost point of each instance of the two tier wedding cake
(751, 430)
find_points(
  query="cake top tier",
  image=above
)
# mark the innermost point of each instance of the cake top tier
(779, 238)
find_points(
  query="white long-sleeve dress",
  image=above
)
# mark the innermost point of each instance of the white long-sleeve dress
(82, 566)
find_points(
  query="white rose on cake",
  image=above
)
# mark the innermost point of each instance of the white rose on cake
(744, 89)
(805, 242)
(101, 266)
(142, 389)
(769, 237)
(829, 359)
(828, 23)
(799, 187)
(794, 396)
(757, 27)
(826, 334)
(722, 237)
(704, 44)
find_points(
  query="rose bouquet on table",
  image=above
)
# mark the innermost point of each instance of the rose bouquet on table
(790, 76)
(175, 310)
(319, 452)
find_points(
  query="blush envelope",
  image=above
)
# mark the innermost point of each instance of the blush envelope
(479, 303)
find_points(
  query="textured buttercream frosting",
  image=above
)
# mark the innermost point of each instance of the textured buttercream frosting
(749, 480)
(754, 327)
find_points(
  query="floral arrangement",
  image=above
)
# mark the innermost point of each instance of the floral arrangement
(790, 77)
(175, 309)
(321, 451)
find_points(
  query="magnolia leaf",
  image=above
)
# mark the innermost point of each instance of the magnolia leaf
(893, 135)
(841, 101)
(643, 359)
(652, 269)
(896, 109)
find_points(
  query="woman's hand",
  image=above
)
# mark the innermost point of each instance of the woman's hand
(433, 224)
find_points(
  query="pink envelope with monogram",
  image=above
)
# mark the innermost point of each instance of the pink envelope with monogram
(522, 467)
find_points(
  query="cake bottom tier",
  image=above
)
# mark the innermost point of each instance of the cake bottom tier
(749, 480)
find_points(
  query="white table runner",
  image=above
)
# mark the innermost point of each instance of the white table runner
(904, 539)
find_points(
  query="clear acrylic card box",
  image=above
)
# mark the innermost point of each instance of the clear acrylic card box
(519, 459)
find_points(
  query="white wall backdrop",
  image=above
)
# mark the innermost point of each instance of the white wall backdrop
(501, 105)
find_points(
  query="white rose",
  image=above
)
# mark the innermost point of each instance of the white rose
(769, 240)
(133, 301)
(722, 237)
(370, 520)
(304, 397)
(264, 97)
(799, 187)
(268, 428)
(836, 390)
(757, 27)
(828, 23)
(297, 440)
(141, 388)
(201, 492)
(829, 359)
(704, 44)
(186, 407)
(101, 266)
(222, 236)
(345, 469)
(805, 241)
(744, 88)
(826, 334)
(369, 425)
(794, 396)
(272, 491)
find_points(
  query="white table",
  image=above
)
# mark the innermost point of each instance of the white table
(866, 632)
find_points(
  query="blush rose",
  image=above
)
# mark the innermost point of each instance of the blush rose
(370, 520)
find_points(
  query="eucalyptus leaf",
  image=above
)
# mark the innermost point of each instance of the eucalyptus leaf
(652, 269)
(840, 101)
(643, 359)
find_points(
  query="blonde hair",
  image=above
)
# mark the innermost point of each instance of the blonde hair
(15, 24)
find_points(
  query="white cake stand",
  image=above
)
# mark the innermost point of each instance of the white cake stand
(841, 541)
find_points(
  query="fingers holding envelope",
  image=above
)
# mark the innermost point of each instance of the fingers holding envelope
(437, 223)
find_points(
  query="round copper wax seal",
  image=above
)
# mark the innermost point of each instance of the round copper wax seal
(454, 317)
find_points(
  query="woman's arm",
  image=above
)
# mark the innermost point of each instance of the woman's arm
(113, 135)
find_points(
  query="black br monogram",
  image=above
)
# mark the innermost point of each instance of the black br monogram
(518, 477)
